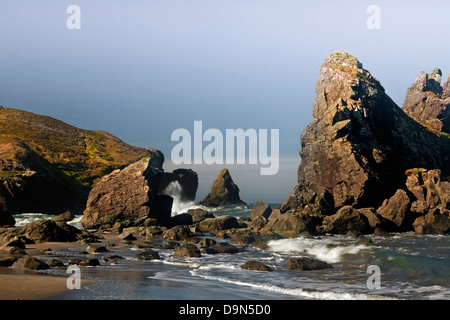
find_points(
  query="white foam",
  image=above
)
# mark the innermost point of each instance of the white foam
(298, 292)
(328, 250)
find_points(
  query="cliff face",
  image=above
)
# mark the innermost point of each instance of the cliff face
(49, 166)
(360, 143)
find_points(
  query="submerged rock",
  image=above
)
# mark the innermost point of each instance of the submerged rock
(306, 264)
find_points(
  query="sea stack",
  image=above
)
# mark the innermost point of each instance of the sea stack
(360, 144)
(223, 192)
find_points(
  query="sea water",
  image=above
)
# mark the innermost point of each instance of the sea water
(412, 267)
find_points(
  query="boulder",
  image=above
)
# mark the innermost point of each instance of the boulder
(30, 263)
(436, 221)
(7, 261)
(64, 217)
(306, 264)
(221, 247)
(260, 209)
(148, 254)
(96, 249)
(129, 194)
(218, 224)
(346, 219)
(48, 231)
(187, 252)
(255, 265)
(199, 214)
(289, 224)
(223, 192)
(182, 219)
(177, 233)
(55, 263)
(397, 210)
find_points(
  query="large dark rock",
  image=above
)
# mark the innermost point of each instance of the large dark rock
(223, 192)
(255, 265)
(359, 145)
(306, 264)
(129, 194)
(428, 102)
(6, 220)
(181, 182)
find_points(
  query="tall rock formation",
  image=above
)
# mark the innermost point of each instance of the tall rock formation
(360, 143)
(223, 191)
(429, 103)
(129, 195)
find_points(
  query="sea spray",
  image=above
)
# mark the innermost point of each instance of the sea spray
(331, 250)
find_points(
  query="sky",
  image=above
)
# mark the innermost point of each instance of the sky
(142, 69)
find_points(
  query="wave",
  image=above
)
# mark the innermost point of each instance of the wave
(25, 218)
(175, 190)
(298, 292)
(327, 249)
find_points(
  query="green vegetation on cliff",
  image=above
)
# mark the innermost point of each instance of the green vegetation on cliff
(82, 156)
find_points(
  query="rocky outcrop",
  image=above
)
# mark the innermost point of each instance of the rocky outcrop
(260, 209)
(29, 183)
(130, 194)
(429, 103)
(306, 264)
(183, 182)
(49, 166)
(359, 145)
(44, 231)
(6, 220)
(223, 192)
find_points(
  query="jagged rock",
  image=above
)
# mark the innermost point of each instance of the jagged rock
(223, 191)
(182, 182)
(430, 189)
(359, 145)
(428, 102)
(255, 265)
(128, 194)
(260, 209)
(306, 264)
(397, 210)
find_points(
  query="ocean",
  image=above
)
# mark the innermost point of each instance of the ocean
(409, 267)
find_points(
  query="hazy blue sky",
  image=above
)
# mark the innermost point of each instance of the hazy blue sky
(141, 69)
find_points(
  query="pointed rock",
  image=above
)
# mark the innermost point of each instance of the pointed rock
(359, 144)
(223, 191)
